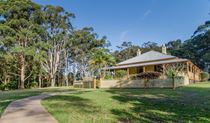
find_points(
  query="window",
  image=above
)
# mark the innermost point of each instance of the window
(158, 68)
(140, 70)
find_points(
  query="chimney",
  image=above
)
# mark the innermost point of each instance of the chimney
(138, 52)
(164, 49)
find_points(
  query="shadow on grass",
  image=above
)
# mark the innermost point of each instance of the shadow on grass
(6, 97)
(77, 103)
(73, 108)
(163, 105)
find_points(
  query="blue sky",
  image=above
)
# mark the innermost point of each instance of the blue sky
(137, 20)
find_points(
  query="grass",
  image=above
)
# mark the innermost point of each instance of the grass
(6, 97)
(186, 104)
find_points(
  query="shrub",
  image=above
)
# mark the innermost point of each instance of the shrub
(12, 85)
(120, 74)
(147, 76)
(2, 87)
(204, 76)
(108, 77)
(34, 85)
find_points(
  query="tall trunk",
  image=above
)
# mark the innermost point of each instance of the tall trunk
(66, 80)
(174, 84)
(40, 81)
(22, 71)
(52, 80)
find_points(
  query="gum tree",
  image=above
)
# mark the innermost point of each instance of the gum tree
(20, 29)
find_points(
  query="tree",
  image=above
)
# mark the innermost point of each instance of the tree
(131, 50)
(100, 58)
(20, 29)
(196, 48)
(84, 43)
(57, 23)
(147, 76)
(126, 48)
(174, 71)
(202, 28)
(204, 76)
(147, 46)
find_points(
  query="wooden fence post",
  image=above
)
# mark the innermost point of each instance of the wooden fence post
(94, 82)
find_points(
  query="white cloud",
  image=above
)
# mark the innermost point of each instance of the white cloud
(146, 13)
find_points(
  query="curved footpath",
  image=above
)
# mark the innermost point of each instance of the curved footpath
(28, 110)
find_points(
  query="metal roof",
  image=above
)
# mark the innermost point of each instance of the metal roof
(149, 63)
(148, 56)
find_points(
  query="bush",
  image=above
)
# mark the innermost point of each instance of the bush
(120, 74)
(34, 85)
(12, 85)
(108, 77)
(204, 76)
(2, 87)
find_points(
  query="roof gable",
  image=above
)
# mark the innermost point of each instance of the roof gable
(148, 56)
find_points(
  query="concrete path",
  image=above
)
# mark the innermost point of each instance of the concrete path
(27, 110)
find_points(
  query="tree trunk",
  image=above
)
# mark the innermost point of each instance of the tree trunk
(52, 80)
(66, 80)
(174, 84)
(40, 81)
(22, 71)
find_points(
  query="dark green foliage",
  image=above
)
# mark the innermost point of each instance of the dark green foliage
(196, 48)
(128, 50)
(90, 52)
(34, 85)
(12, 85)
(100, 58)
(120, 74)
(20, 29)
(108, 76)
(204, 76)
(2, 87)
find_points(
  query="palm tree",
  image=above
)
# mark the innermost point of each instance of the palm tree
(100, 59)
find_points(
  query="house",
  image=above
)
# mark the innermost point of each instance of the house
(154, 61)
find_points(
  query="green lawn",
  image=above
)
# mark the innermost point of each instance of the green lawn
(186, 104)
(6, 97)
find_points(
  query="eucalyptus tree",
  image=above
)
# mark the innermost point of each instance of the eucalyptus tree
(202, 28)
(84, 41)
(127, 48)
(20, 29)
(58, 25)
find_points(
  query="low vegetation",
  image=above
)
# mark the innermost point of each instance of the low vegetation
(185, 104)
(204, 76)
